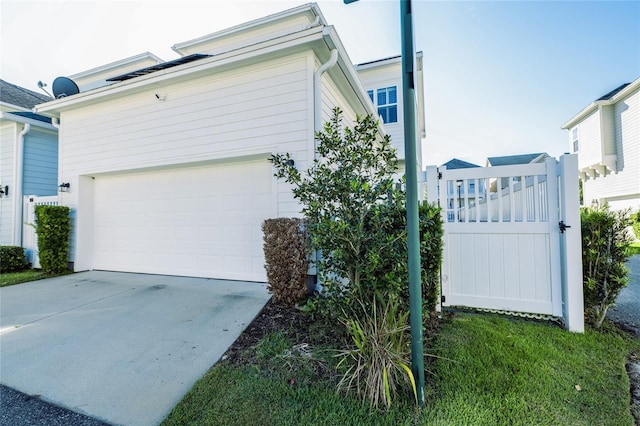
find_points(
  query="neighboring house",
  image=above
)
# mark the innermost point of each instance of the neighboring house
(168, 165)
(509, 160)
(28, 157)
(383, 81)
(459, 192)
(606, 137)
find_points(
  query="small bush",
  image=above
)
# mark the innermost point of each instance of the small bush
(605, 243)
(285, 252)
(53, 227)
(12, 259)
(636, 224)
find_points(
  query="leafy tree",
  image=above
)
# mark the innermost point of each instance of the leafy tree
(349, 198)
(605, 243)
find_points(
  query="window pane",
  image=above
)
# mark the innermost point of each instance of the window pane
(392, 95)
(382, 97)
(392, 114)
(370, 93)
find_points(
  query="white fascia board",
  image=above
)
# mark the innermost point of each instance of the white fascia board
(379, 63)
(593, 106)
(309, 7)
(348, 69)
(26, 120)
(7, 107)
(116, 64)
(53, 108)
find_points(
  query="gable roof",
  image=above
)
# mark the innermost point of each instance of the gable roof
(508, 160)
(19, 96)
(612, 93)
(610, 98)
(456, 163)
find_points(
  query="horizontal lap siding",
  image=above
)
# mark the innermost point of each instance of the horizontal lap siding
(589, 140)
(40, 163)
(7, 137)
(261, 106)
(255, 109)
(626, 182)
(387, 76)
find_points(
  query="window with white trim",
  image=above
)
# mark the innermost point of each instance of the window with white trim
(574, 139)
(386, 101)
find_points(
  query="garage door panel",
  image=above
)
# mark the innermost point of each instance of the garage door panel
(203, 221)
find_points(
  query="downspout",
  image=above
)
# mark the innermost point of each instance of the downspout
(317, 125)
(17, 180)
(317, 92)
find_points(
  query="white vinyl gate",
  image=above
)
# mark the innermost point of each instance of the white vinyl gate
(504, 248)
(29, 237)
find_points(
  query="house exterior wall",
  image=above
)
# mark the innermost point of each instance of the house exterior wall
(40, 173)
(8, 134)
(622, 188)
(386, 76)
(250, 111)
(590, 148)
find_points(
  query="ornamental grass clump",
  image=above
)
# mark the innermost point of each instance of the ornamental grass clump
(376, 366)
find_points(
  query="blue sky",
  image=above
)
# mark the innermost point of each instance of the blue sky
(501, 77)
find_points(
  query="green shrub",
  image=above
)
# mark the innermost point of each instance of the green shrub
(357, 221)
(53, 227)
(286, 260)
(636, 224)
(605, 243)
(12, 259)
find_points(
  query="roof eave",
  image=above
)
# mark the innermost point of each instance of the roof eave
(309, 7)
(350, 72)
(630, 88)
(26, 120)
(54, 107)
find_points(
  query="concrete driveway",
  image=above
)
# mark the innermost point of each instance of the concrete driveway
(123, 348)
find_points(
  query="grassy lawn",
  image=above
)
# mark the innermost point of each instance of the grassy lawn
(493, 370)
(12, 278)
(635, 248)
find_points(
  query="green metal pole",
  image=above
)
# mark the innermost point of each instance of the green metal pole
(413, 231)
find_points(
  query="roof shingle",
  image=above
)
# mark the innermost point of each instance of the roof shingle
(16, 95)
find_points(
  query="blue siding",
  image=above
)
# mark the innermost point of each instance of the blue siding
(40, 173)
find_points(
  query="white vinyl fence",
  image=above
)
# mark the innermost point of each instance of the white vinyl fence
(512, 238)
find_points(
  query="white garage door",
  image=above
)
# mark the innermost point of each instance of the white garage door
(198, 221)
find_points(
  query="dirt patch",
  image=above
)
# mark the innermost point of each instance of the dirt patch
(298, 326)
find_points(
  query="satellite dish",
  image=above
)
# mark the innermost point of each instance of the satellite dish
(63, 86)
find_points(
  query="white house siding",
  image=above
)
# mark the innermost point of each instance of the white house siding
(8, 133)
(40, 163)
(248, 112)
(590, 141)
(386, 76)
(621, 189)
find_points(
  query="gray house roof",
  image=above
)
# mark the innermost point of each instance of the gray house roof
(508, 160)
(455, 163)
(16, 95)
(612, 93)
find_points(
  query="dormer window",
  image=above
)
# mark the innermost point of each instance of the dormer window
(386, 100)
(574, 139)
